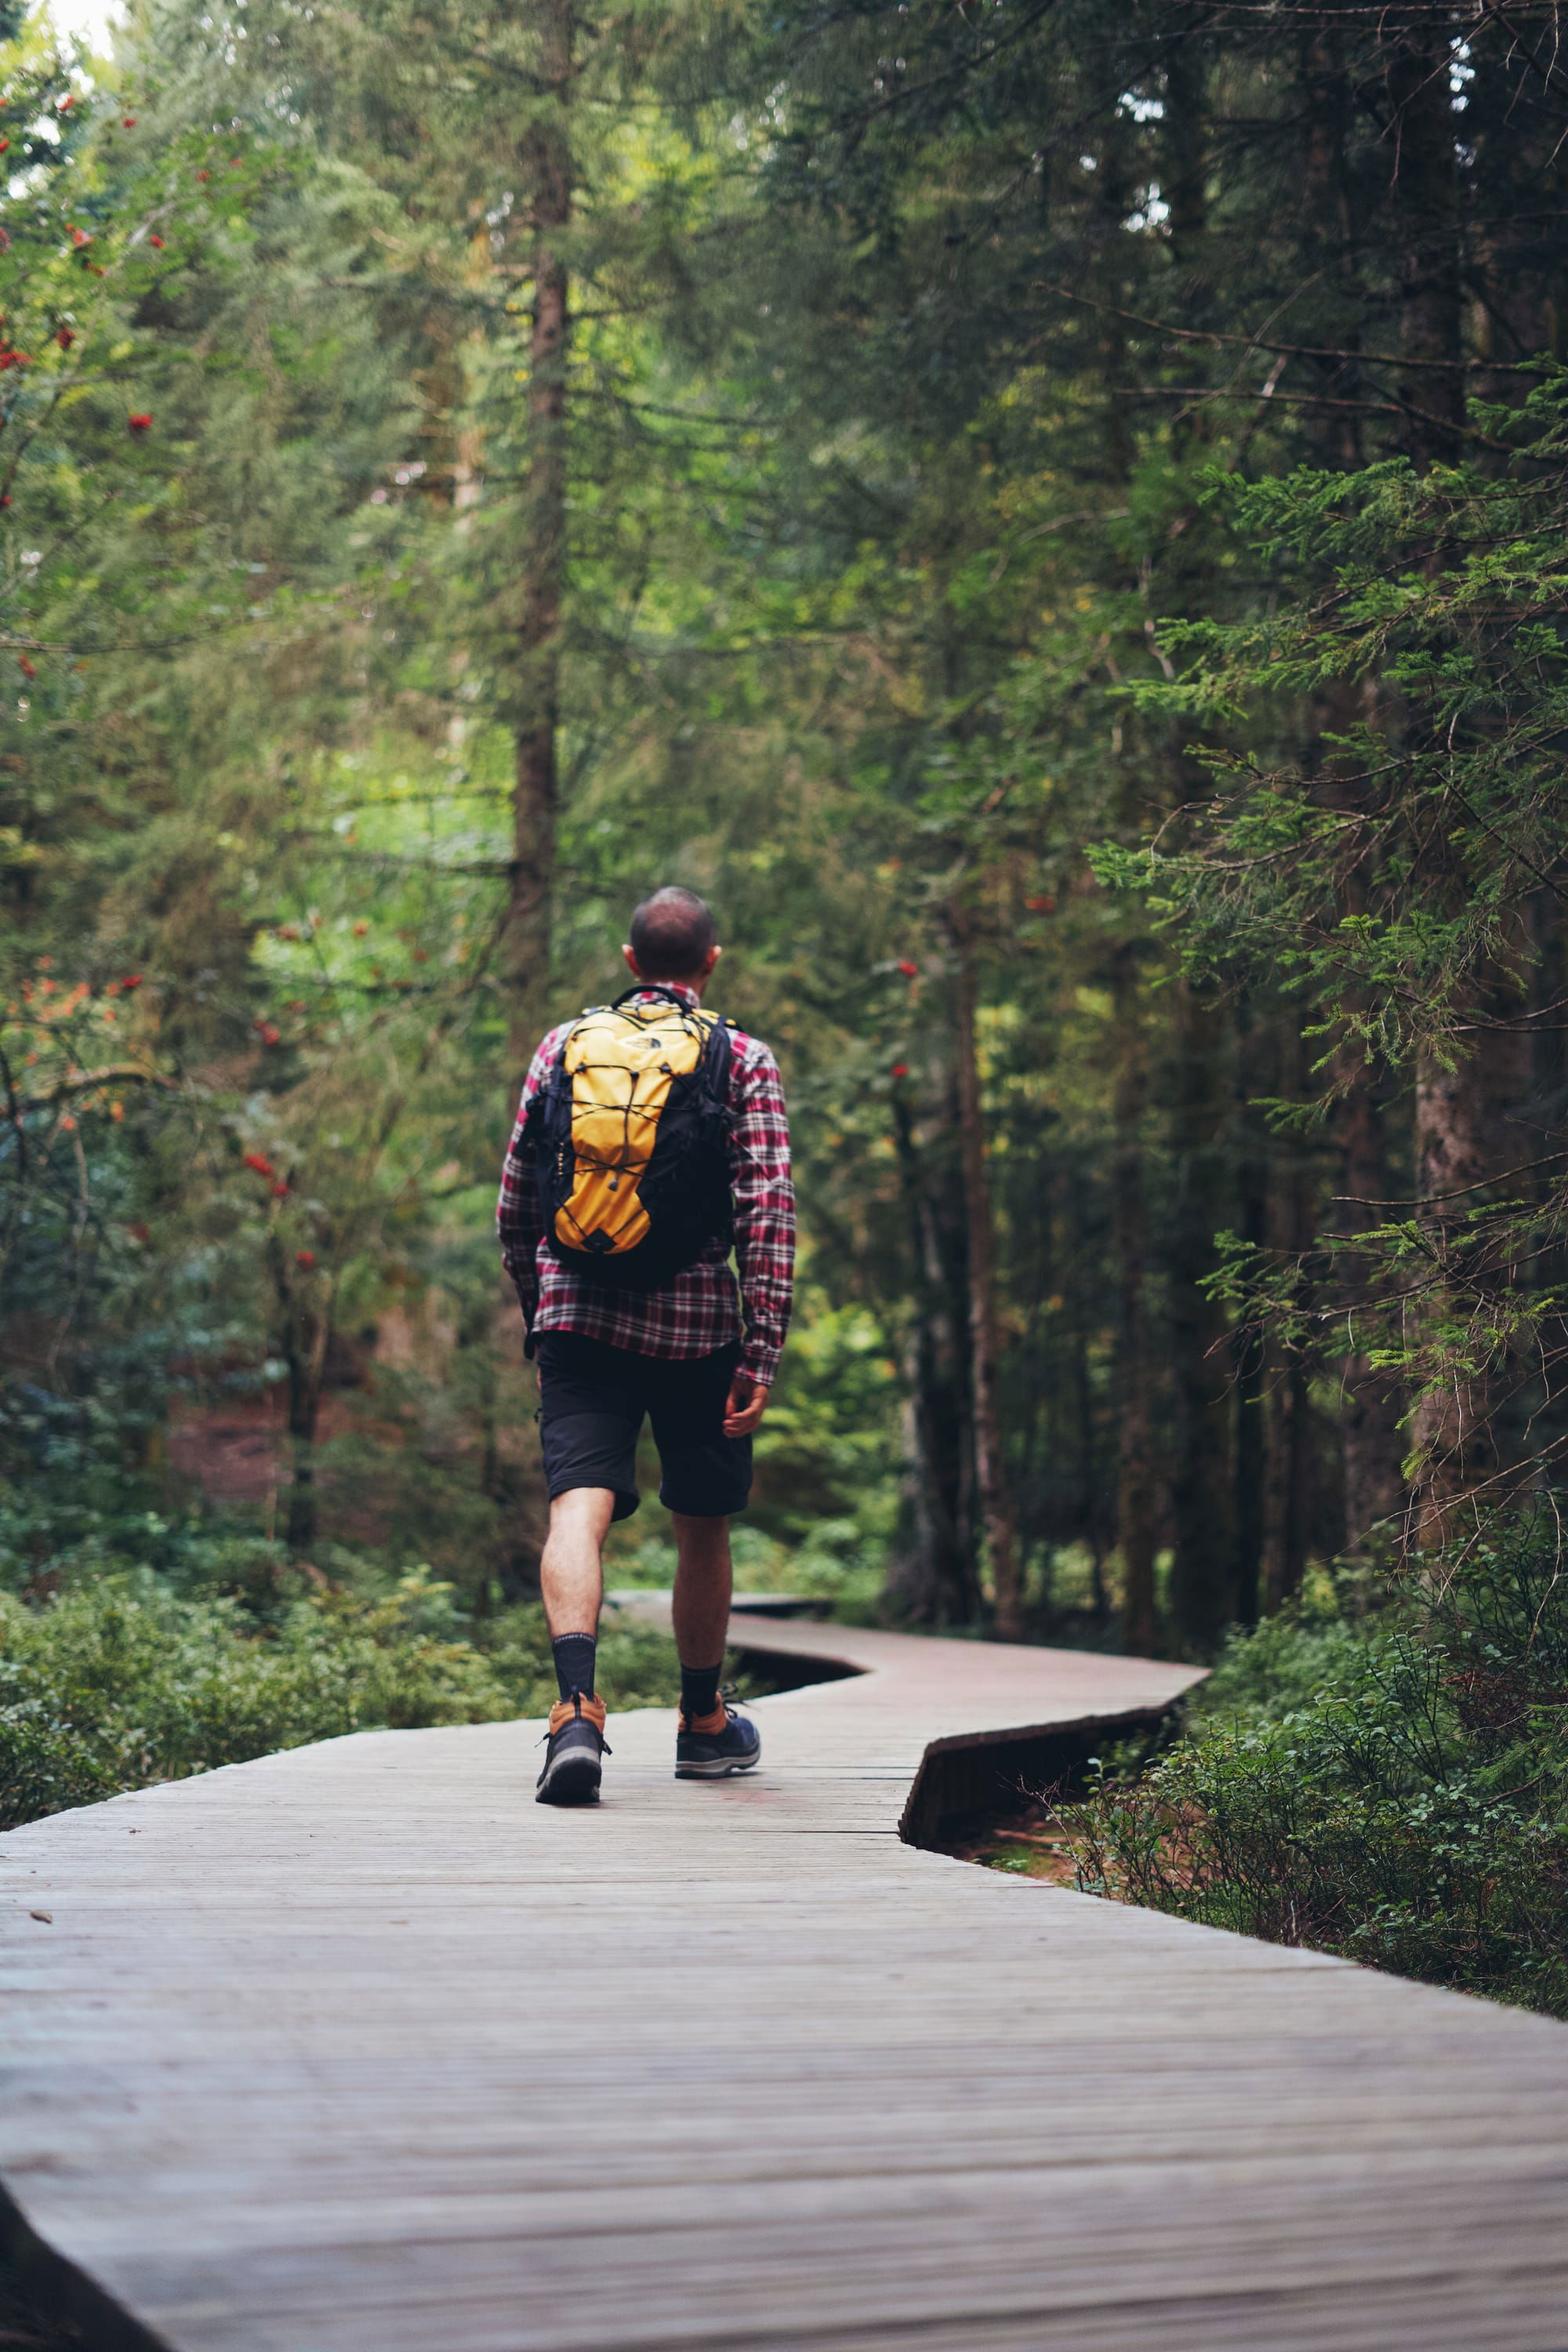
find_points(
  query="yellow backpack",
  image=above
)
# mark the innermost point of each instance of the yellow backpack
(631, 1139)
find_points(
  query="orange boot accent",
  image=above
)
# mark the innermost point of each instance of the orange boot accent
(708, 1724)
(569, 1710)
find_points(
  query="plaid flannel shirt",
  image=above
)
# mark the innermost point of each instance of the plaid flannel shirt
(704, 1308)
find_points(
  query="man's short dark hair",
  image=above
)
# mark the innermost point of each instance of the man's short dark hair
(672, 931)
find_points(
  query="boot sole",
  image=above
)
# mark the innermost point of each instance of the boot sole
(722, 1769)
(575, 1781)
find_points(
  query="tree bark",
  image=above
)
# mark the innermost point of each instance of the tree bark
(1371, 1446)
(990, 1471)
(306, 1334)
(1287, 1492)
(1462, 1148)
(1517, 179)
(1290, 1227)
(304, 1410)
(1202, 1565)
(1136, 1513)
(1257, 1073)
(932, 1577)
(1330, 236)
(1425, 205)
(1083, 1397)
(1184, 145)
(547, 166)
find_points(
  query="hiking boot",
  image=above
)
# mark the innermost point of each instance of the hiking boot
(577, 1735)
(709, 1746)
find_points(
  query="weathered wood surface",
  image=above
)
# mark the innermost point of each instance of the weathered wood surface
(358, 2049)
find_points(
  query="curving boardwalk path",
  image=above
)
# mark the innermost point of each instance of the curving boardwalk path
(355, 2049)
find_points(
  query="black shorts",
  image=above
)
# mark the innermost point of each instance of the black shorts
(592, 1400)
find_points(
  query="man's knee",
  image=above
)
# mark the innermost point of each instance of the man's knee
(702, 1544)
(583, 1510)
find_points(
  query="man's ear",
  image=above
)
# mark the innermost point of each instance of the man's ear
(631, 963)
(711, 961)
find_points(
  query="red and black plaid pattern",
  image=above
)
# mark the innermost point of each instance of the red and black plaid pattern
(703, 1308)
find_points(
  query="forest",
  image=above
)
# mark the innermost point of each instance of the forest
(1053, 517)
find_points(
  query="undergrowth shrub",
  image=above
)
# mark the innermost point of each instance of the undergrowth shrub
(1386, 1782)
(119, 1679)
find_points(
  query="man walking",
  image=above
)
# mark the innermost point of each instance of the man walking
(651, 1139)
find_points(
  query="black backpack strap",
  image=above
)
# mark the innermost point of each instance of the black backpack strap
(717, 1057)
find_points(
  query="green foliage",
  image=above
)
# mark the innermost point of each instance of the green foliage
(1284, 1663)
(822, 1451)
(1390, 1785)
(1387, 883)
(120, 1680)
(1397, 883)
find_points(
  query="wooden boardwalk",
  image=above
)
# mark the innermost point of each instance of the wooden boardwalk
(356, 2049)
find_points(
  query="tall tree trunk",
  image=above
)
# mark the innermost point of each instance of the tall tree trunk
(306, 1332)
(1287, 1487)
(1371, 1446)
(1330, 236)
(1460, 1111)
(1184, 150)
(1546, 1073)
(1287, 1433)
(990, 1470)
(1136, 1514)
(1369, 1443)
(932, 1577)
(1202, 1565)
(1083, 1394)
(1257, 1073)
(547, 166)
(1462, 1146)
(304, 1412)
(1425, 205)
(1113, 200)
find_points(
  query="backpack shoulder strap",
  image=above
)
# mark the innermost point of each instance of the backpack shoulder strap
(718, 1055)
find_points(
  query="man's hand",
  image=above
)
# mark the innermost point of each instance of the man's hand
(745, 1406)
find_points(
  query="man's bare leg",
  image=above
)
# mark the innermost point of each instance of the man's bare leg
(571, 1576)
(572, 1581)
(700, 1605)
(714, 1742)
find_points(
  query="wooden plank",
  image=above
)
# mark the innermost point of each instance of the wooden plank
(356, 2049)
